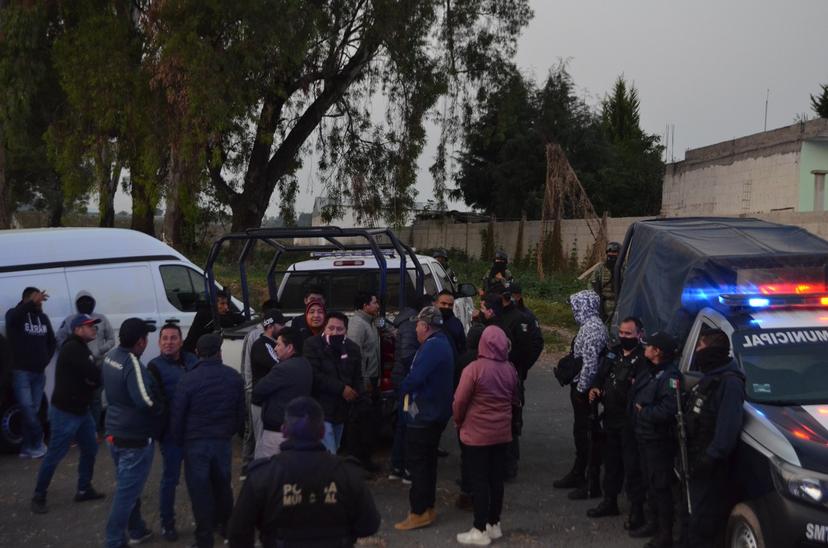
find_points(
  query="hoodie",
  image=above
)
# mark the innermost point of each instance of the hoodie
(31, 337)
(488, 390)
(592, 335)
(104, 341)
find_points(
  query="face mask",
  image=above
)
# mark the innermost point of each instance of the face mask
(710, 358)
(336, 342)
(628, 343)
(447, 313)
(85, 305)
(611, 261)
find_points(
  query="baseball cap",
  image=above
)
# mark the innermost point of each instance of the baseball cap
(208, 345)
(132, 330)
(663, 341)
(83, 319)
(430, 315)
(273, 316)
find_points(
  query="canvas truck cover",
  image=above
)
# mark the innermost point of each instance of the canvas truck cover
(672, 268)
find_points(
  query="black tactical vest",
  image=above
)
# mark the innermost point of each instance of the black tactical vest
(700, 413)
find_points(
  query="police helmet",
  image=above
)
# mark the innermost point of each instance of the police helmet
(614, 247)
(500, 255)
(440, 252)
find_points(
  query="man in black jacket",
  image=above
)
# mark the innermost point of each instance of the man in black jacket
(291, 378)
(304, 496)
(654, 410)
(203, 322)
(32, 343)
(337, 375)
(208, 409)
(76, 379)
(622, 364)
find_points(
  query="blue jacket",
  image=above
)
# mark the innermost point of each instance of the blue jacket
(430, 383)
(208, 403)
(656, 394)
(170, 371)
(136, 404)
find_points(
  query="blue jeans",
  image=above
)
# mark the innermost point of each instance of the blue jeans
(132, 466)
(333, 437)
(173, 456)
(28, 391)
(398, 447)
(207, 470)
(66, 427)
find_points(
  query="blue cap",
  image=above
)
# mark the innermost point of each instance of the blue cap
(83, 319)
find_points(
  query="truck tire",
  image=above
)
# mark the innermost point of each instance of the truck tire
(11, 427)
(743, 529)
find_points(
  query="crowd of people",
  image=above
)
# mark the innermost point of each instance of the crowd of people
(309, 390)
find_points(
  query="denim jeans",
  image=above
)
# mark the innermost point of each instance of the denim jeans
(28, 391)
(333, 437)
(132, 466)
(207, 465)
(172, 456)
(66, 427)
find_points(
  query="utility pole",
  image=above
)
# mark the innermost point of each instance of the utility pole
(767, 96)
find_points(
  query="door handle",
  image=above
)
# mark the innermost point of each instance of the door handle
(172, 320)
(149, 320)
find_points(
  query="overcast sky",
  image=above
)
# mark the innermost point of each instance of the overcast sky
(704, 66)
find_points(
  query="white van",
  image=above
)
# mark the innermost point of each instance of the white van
(127, 272)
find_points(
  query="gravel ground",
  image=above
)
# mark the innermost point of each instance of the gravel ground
(534, 513)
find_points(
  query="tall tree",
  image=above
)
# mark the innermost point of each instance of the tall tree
(254, 86)
(819, 102)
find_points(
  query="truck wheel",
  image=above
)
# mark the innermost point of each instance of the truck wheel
(11, 427)
(743, 529)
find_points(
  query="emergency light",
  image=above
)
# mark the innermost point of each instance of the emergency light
(782, 294)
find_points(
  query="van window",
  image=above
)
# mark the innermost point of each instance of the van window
(445, 282)
(184, 287)
(429, 284)
(340, 288)
(116, 289)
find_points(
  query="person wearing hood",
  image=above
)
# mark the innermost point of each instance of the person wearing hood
(588, 344)
(337, 375)
(482, 411)
(32, 342)
(314, 317)
(498, 277)
(653, 407)
(312, 293)
(714, 415)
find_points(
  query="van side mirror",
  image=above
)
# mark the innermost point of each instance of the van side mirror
(466, 290)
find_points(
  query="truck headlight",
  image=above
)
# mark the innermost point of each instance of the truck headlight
(799, 483)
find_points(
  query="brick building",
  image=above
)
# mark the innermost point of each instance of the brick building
(778, 170)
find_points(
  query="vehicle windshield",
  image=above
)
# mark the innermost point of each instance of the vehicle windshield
(341, 286)
(784, 366)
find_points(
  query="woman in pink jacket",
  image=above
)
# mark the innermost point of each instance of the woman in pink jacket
(483, 412)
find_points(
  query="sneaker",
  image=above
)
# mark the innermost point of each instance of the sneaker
(475, 537)
(39, 505)
(396, 474)
(169, 533)
(141, 538)
(38, 453)
(494, 531)
(89, 494)
(406, 477)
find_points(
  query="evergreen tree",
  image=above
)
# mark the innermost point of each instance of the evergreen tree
(819, 103)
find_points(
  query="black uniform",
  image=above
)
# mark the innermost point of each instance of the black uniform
(621, 462)
(303, 497)
(713, 412)
(655, 433)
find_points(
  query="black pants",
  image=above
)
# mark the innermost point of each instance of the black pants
(586, 432)
(359, 438)
(465, 477)
(421, 447)
(513, 452)
(486, 470)
(613, 461)
(633, 478)
(657, 466)
(709, 497)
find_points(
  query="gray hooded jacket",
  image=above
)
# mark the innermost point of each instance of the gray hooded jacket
(592, 336)
(104, 341)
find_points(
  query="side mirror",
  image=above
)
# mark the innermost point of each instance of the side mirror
(466, 290)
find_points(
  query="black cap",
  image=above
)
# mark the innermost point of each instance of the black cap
(440, 252)
(500, 255)
(613, 247)
(208, 345)
(132, 330)
(663, 341)
(273, 316)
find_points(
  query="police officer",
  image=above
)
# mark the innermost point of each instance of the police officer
(713, 411)
(498, 276)
(442, 257)
(601, 281)
(304, 496)
(623, 363)
(654, 410)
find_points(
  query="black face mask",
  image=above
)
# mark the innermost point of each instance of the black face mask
(610, 262)
(336, 342)
(628, 343)
(711, 358)
(85, 305)
(447, 313)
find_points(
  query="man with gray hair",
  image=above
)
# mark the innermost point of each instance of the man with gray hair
(304, 496)
(427, 394)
